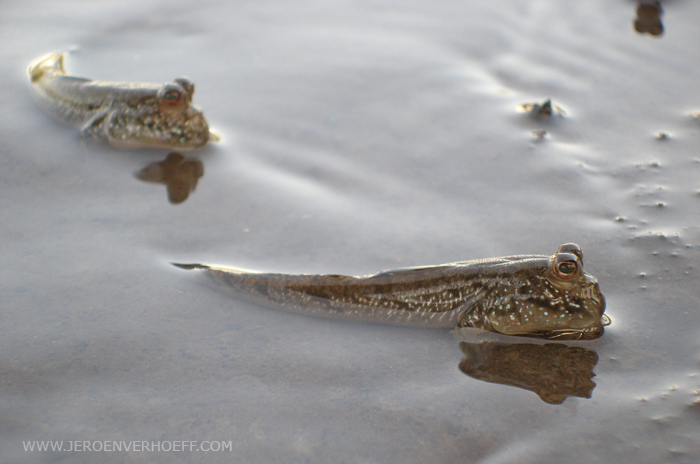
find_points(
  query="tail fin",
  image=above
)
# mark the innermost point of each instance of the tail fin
(50, 63)
(190, 266)
(215, 269)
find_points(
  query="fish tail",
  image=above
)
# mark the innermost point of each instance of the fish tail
(51, 63)
(226, 269)
(227, 278)
(222, 274)
(190, 266)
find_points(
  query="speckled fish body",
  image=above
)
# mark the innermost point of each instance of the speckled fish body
(127, 115)
(542, 296)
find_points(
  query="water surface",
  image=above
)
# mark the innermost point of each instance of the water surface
(356, 137)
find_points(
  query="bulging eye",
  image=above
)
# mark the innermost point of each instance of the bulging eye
(566, 269)
(170, 94)
(186, 84)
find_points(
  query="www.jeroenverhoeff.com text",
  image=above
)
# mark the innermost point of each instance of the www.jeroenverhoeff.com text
(73, 446)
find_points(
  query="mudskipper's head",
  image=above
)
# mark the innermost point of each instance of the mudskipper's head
(171, 121)
(553, 300)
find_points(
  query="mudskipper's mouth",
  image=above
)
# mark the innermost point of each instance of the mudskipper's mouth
(586, 333)
(589, 333)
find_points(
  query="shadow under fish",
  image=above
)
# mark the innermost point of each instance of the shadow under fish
(179, 174)
(649, 18)
(553, 371)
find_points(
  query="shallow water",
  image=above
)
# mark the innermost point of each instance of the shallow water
(356, 137)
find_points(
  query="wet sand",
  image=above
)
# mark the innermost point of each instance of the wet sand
(355, 138)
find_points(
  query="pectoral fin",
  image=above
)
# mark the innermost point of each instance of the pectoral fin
(96, 126)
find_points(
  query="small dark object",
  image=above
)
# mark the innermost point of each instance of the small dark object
(544, 109)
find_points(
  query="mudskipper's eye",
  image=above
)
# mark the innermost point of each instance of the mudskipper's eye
(566, 269)
(186, 84)
(170, 95)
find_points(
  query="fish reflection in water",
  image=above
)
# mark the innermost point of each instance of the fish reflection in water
(553, 371)
(178, 173)
(649, 18)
